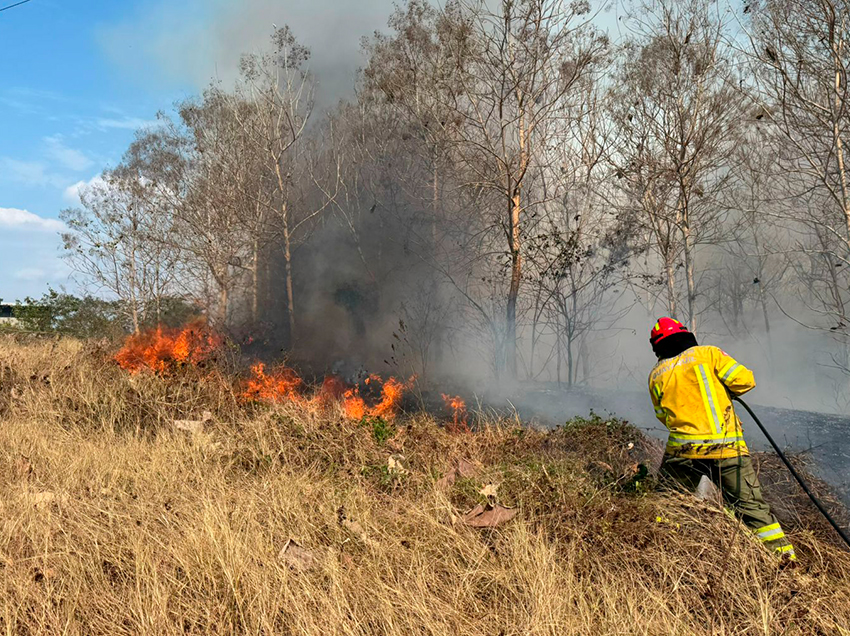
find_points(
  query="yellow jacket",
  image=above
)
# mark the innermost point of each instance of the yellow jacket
(689, 393)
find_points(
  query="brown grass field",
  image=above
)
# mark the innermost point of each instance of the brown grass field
(114, 522)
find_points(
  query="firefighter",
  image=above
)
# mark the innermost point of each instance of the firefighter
(690, 388)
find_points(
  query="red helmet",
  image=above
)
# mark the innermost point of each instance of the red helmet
(666, 327)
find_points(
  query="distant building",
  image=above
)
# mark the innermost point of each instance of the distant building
(7, 315)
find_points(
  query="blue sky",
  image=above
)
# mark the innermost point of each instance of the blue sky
(78, 77)
(67, 111)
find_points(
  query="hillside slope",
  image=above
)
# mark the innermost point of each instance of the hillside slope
(284, 519)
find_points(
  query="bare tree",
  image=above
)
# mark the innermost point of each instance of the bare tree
(576, 256)
(757, 245)
(118, 244)
(800, 57)
(494, 80)
(280, 89)
(678, 112)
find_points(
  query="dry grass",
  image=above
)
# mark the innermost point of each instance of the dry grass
(113, 523)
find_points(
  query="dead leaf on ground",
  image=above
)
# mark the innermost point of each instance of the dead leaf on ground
(395, 466)
(193, 426)
(297, 557)
(23, 466)
(462, 468)
(489, 516)
(489, 491)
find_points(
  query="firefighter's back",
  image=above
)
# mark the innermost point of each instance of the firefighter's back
(689, 392)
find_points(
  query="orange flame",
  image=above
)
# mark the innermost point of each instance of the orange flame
(282, 385)
(391, 394)
(161, 350)
(459, 412)
(353, 405)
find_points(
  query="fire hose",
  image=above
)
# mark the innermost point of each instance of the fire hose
(794, 472)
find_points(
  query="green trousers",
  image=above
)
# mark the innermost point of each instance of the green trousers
(739, 484)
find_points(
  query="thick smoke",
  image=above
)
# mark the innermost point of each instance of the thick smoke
(195, 42)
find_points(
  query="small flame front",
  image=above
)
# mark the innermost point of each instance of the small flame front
(282, 385)
(457, 407)
(163, 350)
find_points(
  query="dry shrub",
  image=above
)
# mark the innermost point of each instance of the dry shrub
(75, 385)
(115, 523)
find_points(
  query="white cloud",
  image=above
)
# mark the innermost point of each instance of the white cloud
(38, 94)
(69, 157)
(125, 123)
(72, 192)
(30, 274)
(15, 219)
(28, 172)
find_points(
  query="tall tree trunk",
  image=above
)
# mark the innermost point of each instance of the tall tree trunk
(584, 356)
(573, 330)
(689, 270)
(515, 192)
(558, 353)
(838, 50)
(255, 252)
(765, 314)
(223, 300)
(290, 302)
(255, 280)
(670, 270)
(435, 287)
(134, 304)
(287, 253)
(135, 319)
(513, 291)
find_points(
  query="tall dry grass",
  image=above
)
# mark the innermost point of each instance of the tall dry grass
(115, 523)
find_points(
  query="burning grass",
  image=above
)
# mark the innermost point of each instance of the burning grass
(294, 519)
(163, 351)
(282, 385)
(457, 407)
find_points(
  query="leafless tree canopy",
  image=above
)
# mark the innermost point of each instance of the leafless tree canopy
(507, 188)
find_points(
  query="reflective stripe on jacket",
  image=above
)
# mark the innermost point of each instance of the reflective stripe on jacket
(690, 399)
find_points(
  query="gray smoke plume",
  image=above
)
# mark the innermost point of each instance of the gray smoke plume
(192, 43)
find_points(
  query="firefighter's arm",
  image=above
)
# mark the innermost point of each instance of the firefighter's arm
(734, 375)
(655, 394)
